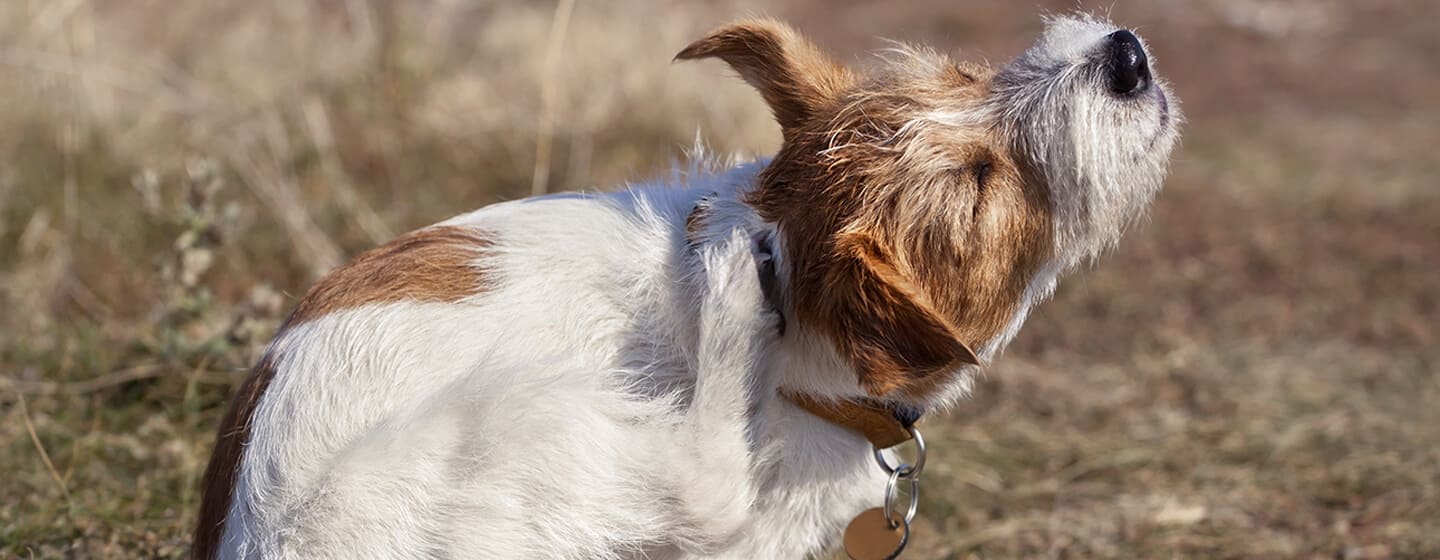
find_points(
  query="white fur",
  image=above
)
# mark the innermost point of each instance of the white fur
(610, 394)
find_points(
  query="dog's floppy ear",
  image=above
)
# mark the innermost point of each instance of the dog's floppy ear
(885, 327)
(793, 76)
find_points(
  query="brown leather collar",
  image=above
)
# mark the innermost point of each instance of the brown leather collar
(884, 425)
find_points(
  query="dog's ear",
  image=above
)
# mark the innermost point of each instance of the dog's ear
(793, 75)
(885, 326)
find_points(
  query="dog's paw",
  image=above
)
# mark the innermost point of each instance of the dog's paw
(740, 285)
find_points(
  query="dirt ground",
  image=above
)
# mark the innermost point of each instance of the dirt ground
(1253, 374)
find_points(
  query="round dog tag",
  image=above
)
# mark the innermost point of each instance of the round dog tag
(870, 536)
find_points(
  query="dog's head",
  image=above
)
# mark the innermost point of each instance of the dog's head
(919, 202)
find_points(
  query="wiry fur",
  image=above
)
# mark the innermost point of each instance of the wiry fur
(1047, 102)
(596, 375)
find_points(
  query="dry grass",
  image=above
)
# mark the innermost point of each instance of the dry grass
(1253, 375)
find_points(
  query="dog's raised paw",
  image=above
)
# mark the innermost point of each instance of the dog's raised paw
(740, 282)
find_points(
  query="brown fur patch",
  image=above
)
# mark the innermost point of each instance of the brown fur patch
(911, 233)
(435, 264)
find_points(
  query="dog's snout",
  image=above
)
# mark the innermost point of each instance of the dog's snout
(1129, 67)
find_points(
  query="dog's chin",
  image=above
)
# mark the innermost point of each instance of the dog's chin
(1166, 129)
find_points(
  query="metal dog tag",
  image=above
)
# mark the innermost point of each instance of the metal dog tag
(871, 537)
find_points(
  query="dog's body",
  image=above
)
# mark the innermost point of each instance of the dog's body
(554, 413)
(599, 376)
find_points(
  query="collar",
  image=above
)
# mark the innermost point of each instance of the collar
(883, 424)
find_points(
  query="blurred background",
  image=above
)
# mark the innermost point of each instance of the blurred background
(1252, 375)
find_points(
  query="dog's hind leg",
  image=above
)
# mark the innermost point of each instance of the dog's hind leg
(737, 329)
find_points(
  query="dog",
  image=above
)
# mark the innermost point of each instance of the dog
(699, 366)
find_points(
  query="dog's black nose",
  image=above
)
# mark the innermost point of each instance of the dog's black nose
(1129, 68)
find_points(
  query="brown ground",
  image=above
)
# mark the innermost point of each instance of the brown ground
(1252, 375)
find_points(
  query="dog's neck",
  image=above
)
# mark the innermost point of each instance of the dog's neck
(808, 371)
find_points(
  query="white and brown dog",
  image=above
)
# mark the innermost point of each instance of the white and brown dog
(692, 368)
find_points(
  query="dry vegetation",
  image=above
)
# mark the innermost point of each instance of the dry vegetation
(1254, 375)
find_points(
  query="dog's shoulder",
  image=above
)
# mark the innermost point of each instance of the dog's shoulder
(435, 264)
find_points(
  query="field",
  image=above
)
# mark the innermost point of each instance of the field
(1255, 373)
